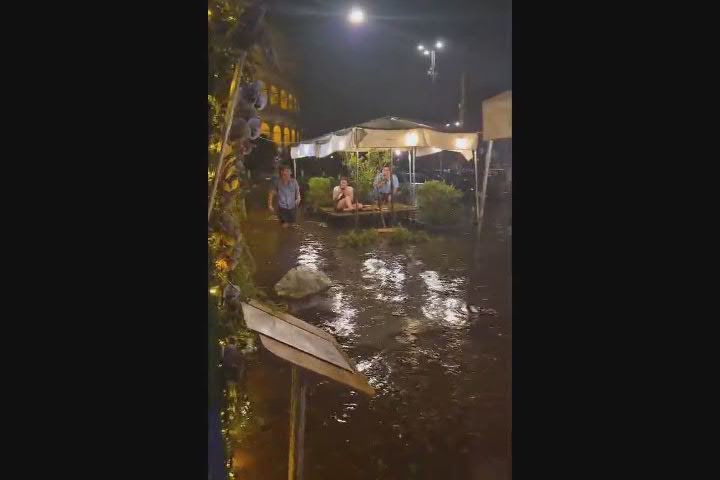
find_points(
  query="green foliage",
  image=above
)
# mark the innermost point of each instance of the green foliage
(359, 239)
(319, 192)
(370, 165)
(402, 236)
(439, 203)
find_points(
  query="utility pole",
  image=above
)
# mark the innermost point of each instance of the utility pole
(461, 105)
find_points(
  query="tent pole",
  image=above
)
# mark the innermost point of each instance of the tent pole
(484, 186)
(477, 190)
(414, 166)
(392, 196)
(357, 177)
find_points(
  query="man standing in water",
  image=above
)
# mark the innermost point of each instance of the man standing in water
(288, 193)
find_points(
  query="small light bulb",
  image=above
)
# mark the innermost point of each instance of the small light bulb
(420, 47)
(439, 44)
(426, 52)
(457, 124)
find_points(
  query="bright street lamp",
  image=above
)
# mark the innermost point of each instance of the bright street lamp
(439, 44)
(426, 52)
(457, 124)
(356, 16)
(420, 47)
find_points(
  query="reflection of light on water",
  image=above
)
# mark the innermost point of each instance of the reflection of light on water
(387, 279)
(309, 254)
(343, 324)
(378, 372)
(439, 304)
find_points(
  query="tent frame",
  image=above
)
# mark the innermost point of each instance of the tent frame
(411, 137)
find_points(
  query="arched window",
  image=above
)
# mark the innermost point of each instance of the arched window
(292, 136)
(286, 136)
(265, 129)
(283, 100)
(277, 135)
(274, 95)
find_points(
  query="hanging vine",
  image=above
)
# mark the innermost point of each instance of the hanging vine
(234, 28)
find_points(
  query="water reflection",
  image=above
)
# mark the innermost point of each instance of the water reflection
(378, 372)
(442, 403)
(343, 324)
(440, 304)
(386, 278)
(309, 253)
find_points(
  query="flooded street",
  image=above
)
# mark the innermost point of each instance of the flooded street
(429, 324)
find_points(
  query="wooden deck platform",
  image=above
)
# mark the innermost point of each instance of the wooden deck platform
(398, 208)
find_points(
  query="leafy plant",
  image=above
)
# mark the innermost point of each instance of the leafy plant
(319, 192)
(402, 236)
(363, 174)
(439, 203)
(359, 239)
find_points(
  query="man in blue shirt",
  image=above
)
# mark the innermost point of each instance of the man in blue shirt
(382, 185)
(288, 193)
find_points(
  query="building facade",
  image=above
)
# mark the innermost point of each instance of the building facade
(280, 118)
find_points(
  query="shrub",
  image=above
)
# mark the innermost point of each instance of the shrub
(370, 165)
(439, 203)
(359, 239)
(401, 236)
(319, 192)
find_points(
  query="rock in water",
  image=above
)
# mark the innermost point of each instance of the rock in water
(301, 282)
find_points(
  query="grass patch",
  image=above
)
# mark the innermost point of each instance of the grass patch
(359, 239)
(402, 236)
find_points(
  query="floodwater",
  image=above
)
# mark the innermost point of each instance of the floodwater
(442, 373)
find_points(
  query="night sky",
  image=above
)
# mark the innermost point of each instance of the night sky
(351, 73)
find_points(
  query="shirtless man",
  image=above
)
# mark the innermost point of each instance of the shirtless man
(343, 196)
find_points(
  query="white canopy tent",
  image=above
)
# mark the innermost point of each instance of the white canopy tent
(389, 133)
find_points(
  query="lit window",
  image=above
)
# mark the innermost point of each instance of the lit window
(292, 136)
(265, 129)
(286, 136)
(274, 95)
(283, 100)
(277, 135)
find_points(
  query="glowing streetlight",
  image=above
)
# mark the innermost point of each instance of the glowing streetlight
(439, 44)
(356, 16)
(420, 47)
(426, 52)
(447, 124)
(457, 124)
(398, 152)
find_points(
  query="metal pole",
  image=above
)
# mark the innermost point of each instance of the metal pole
(357, 177)
(414, 165)
(297, 425)
(392, 191)
(484, 186)
(233, 99)
(477, 190)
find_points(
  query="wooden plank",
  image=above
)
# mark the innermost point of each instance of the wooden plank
(398, 209)
(294, 321)
(301, 339)
(296, 452)
(356, 381)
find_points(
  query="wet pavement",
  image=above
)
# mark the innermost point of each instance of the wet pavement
(429, 324)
